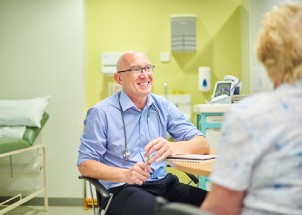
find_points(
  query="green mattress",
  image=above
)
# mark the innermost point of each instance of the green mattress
(8, 144)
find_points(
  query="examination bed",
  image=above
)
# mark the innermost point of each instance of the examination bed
(10, 146)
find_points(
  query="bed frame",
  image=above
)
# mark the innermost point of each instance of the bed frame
(13, 146)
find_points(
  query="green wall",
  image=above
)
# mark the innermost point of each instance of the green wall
(119, 25)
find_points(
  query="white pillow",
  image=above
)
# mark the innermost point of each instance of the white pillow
(26, 112)
(12, 131)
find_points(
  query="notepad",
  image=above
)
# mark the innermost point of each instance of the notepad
(193, 158)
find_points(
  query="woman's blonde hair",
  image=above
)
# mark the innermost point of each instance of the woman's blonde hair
(279, 46)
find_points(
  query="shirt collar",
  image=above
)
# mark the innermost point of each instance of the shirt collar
(150, 100)
(126, 102)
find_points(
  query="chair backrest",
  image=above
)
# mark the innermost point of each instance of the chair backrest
(166, 208)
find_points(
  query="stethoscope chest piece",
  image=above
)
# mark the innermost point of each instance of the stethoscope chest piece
(126, 155)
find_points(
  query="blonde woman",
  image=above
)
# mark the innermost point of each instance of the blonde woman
(259, 165)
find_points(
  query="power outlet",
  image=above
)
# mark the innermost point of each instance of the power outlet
(165, 57)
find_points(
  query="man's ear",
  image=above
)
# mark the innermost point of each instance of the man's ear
(117, 78)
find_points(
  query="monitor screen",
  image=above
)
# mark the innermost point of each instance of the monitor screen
(223, 88)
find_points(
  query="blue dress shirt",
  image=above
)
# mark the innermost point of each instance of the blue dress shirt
(103, 139)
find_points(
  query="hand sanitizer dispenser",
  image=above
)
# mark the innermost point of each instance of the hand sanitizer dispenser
(204, 78)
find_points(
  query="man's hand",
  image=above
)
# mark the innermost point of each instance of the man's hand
(137, 174)
(163, 149)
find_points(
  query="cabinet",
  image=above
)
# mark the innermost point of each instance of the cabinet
(209, 118)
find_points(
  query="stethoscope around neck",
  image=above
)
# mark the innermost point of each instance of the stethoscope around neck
(127, 154)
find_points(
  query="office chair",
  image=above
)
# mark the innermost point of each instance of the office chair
(166, 208)
(191, 176)
(103, 194)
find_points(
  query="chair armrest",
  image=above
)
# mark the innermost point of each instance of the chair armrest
(191, 176)
(102, 190)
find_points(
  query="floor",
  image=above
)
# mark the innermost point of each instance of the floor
(52, 210)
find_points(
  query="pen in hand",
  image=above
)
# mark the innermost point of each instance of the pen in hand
(148, 160)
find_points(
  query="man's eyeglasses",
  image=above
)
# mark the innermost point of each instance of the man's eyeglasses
(137, 70)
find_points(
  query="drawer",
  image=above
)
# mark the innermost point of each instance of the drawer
(215, 119)
(213, 135)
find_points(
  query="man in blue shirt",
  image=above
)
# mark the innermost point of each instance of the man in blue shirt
(125, 144)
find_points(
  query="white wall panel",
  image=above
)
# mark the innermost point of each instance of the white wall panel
(42, 53)
(259, 80)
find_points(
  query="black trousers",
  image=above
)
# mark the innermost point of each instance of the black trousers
(141, 199)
